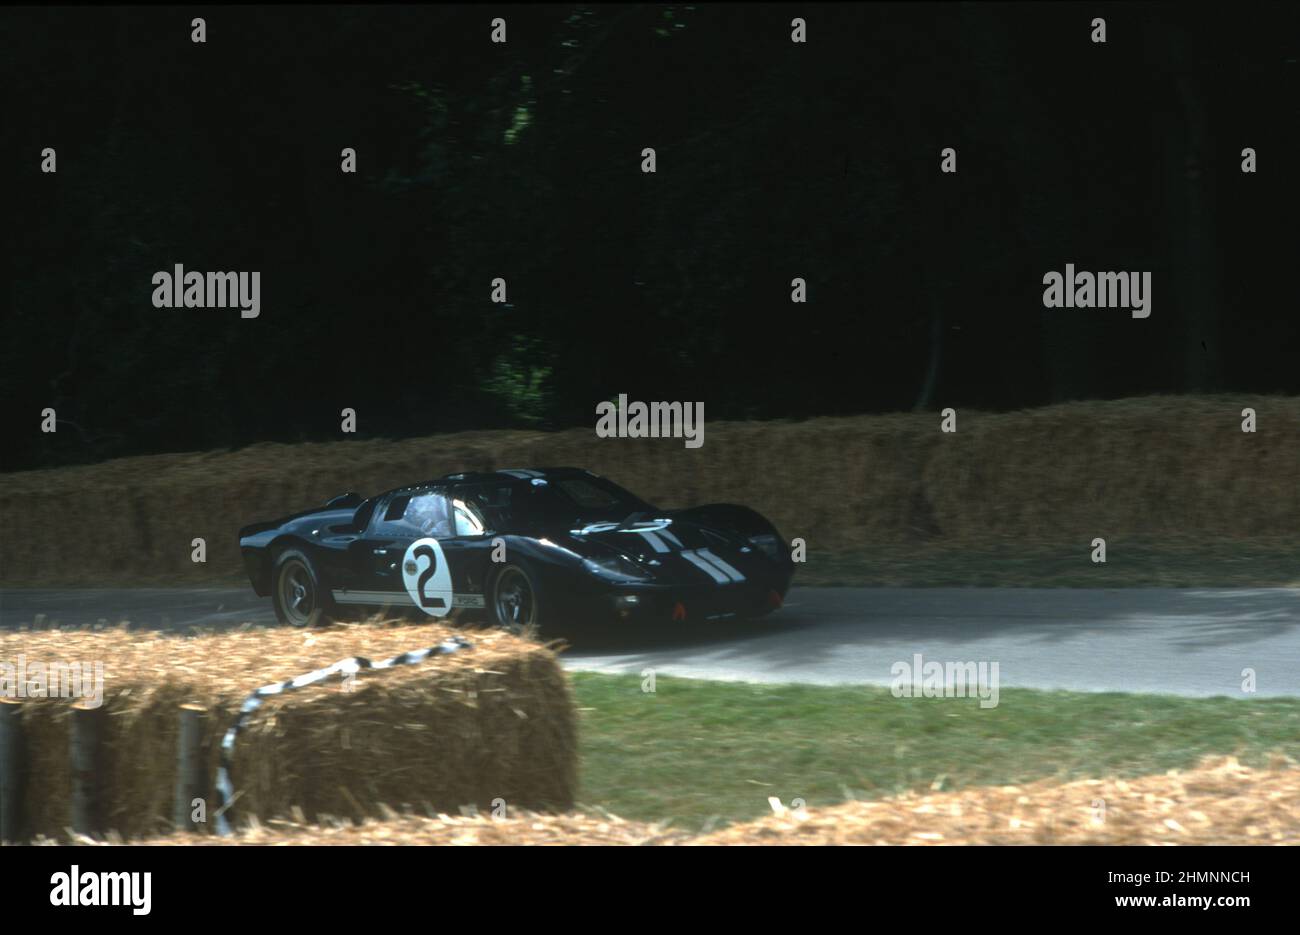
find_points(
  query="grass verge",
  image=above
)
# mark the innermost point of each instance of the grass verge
(703, 753)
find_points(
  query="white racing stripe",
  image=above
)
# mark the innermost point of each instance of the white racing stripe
(705, 567)
(729, 570)
(721, 571)
(371, 597)
(381, 598)
(655, 542)
(671, 538)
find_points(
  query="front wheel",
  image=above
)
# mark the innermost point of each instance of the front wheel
(515, 605)
(300, 599)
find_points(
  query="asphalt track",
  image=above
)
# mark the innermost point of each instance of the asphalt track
(1184, 642)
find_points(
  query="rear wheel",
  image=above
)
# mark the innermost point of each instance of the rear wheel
(299, 597)
(515, 605)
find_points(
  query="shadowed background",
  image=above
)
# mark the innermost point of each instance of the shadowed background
(522, 160)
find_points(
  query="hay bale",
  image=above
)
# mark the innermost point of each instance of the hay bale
(1153, 466)
(492, 722)
(1160, 466)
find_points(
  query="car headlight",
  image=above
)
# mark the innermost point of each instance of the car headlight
(615, 568)
(768, 544)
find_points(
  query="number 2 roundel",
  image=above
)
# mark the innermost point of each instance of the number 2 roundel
(427, 577)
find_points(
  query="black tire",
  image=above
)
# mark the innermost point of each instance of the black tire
(300, 598)
(514, 602)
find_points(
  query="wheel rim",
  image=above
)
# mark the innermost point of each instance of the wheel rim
(297, 592)
(515, 604)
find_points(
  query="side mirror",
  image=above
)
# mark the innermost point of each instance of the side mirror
(343, 501)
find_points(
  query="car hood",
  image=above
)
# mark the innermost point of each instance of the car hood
(666, 544)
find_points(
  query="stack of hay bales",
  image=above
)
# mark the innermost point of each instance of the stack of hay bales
(492, 722)
(1175, 467)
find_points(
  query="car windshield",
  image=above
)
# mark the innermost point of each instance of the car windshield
(558, 501)
(585, 499)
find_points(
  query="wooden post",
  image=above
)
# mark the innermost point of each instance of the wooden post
(11, 751)
(190, 783)
(85, 733)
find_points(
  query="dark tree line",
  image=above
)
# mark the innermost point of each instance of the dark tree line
(775, 160)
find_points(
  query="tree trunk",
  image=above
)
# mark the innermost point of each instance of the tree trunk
(1187, 174)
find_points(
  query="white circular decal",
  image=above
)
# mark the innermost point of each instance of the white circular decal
(427, 577)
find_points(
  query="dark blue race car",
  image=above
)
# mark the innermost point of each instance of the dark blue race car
(549, 548)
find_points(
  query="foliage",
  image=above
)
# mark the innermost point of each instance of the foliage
(521, 161)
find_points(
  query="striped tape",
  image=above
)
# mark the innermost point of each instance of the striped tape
(343, 669)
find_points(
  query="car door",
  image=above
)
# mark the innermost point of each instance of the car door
(468, 549)
(399, 561)
(376, 555)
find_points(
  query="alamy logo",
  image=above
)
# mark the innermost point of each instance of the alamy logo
(934, 679)
(651, 420)
(53, 680)
(179, 289)
(1098, 290)
(103, 889)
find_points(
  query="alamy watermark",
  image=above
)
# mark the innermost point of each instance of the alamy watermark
(179, 289)
(1098, 290)
(651, 420)
(103, 888)
(933, 679)
(53, 680)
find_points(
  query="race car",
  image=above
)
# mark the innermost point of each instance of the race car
(543, 548)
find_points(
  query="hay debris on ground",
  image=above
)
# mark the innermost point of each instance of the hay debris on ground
(523, 827)
(1220, 802)
(492, 722)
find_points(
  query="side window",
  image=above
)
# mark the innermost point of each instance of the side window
(396, 507)
(428, 512)
(480, 509)
(469, 520)
(417, 515)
